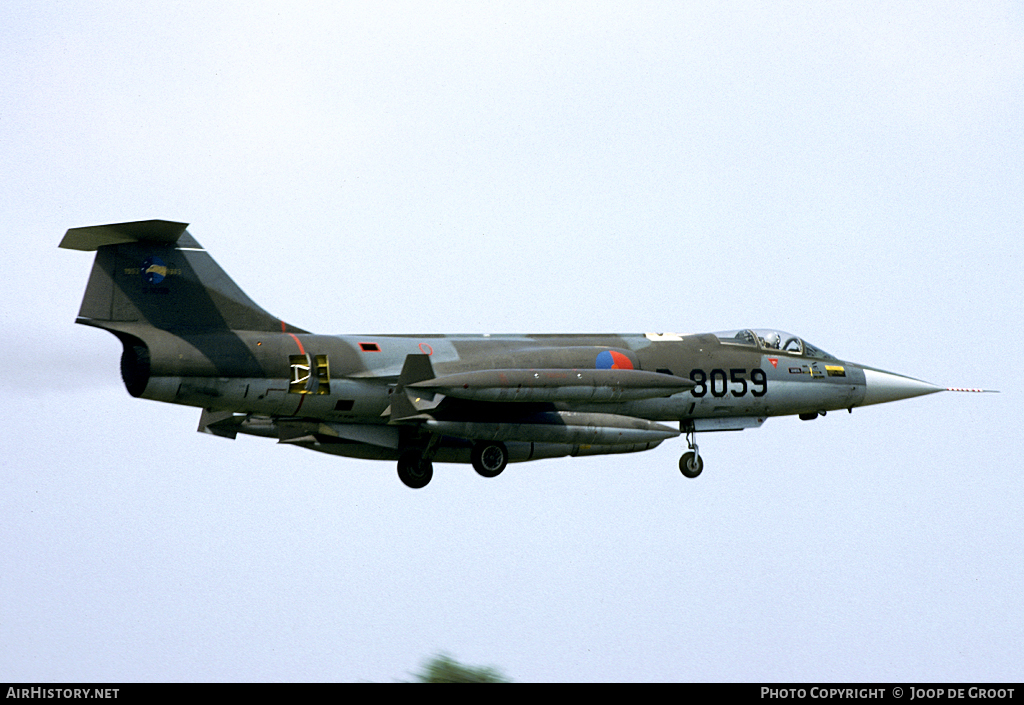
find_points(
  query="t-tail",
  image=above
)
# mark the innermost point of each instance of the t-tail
(152, 282)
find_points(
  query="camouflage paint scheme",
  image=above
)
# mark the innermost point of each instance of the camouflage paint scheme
(191, 336)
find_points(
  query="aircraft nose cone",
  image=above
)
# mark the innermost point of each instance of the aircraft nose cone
(882, 386)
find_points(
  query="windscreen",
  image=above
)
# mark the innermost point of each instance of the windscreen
(767, 339)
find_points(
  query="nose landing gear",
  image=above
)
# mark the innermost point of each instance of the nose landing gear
(691, 464)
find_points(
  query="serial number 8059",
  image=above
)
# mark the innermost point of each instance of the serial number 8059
(718, 382)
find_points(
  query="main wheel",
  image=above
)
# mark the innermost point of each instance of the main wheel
(413, 470)
(691, 464)
(489, 459)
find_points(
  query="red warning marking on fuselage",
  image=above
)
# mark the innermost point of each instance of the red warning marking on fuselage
(774, 361)
(298, 342)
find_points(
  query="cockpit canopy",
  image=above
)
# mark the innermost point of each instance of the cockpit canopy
(773, 340)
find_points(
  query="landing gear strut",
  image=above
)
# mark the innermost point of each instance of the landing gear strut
(691, 464)
(415, 465)
(489, 459)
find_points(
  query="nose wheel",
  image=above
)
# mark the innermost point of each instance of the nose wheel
(691, 464)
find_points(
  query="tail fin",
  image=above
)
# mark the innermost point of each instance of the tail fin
(154, 272)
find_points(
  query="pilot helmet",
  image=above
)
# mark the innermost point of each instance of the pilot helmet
(772, 340)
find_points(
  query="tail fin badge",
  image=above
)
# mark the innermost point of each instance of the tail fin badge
(154, 270)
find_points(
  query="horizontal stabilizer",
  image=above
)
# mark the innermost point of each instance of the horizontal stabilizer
(93, 237)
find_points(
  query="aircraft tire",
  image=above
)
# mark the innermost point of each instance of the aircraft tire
(688, 467)
(489, 459)
(413, 470)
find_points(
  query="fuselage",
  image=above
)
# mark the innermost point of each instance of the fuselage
(266, 373)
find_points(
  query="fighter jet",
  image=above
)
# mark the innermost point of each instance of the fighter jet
(191, 336)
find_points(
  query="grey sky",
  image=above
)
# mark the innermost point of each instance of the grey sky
(849, 172)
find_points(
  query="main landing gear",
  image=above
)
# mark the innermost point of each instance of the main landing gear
(415, 466)
(691, 464)
(414, 469)
(489, 458)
